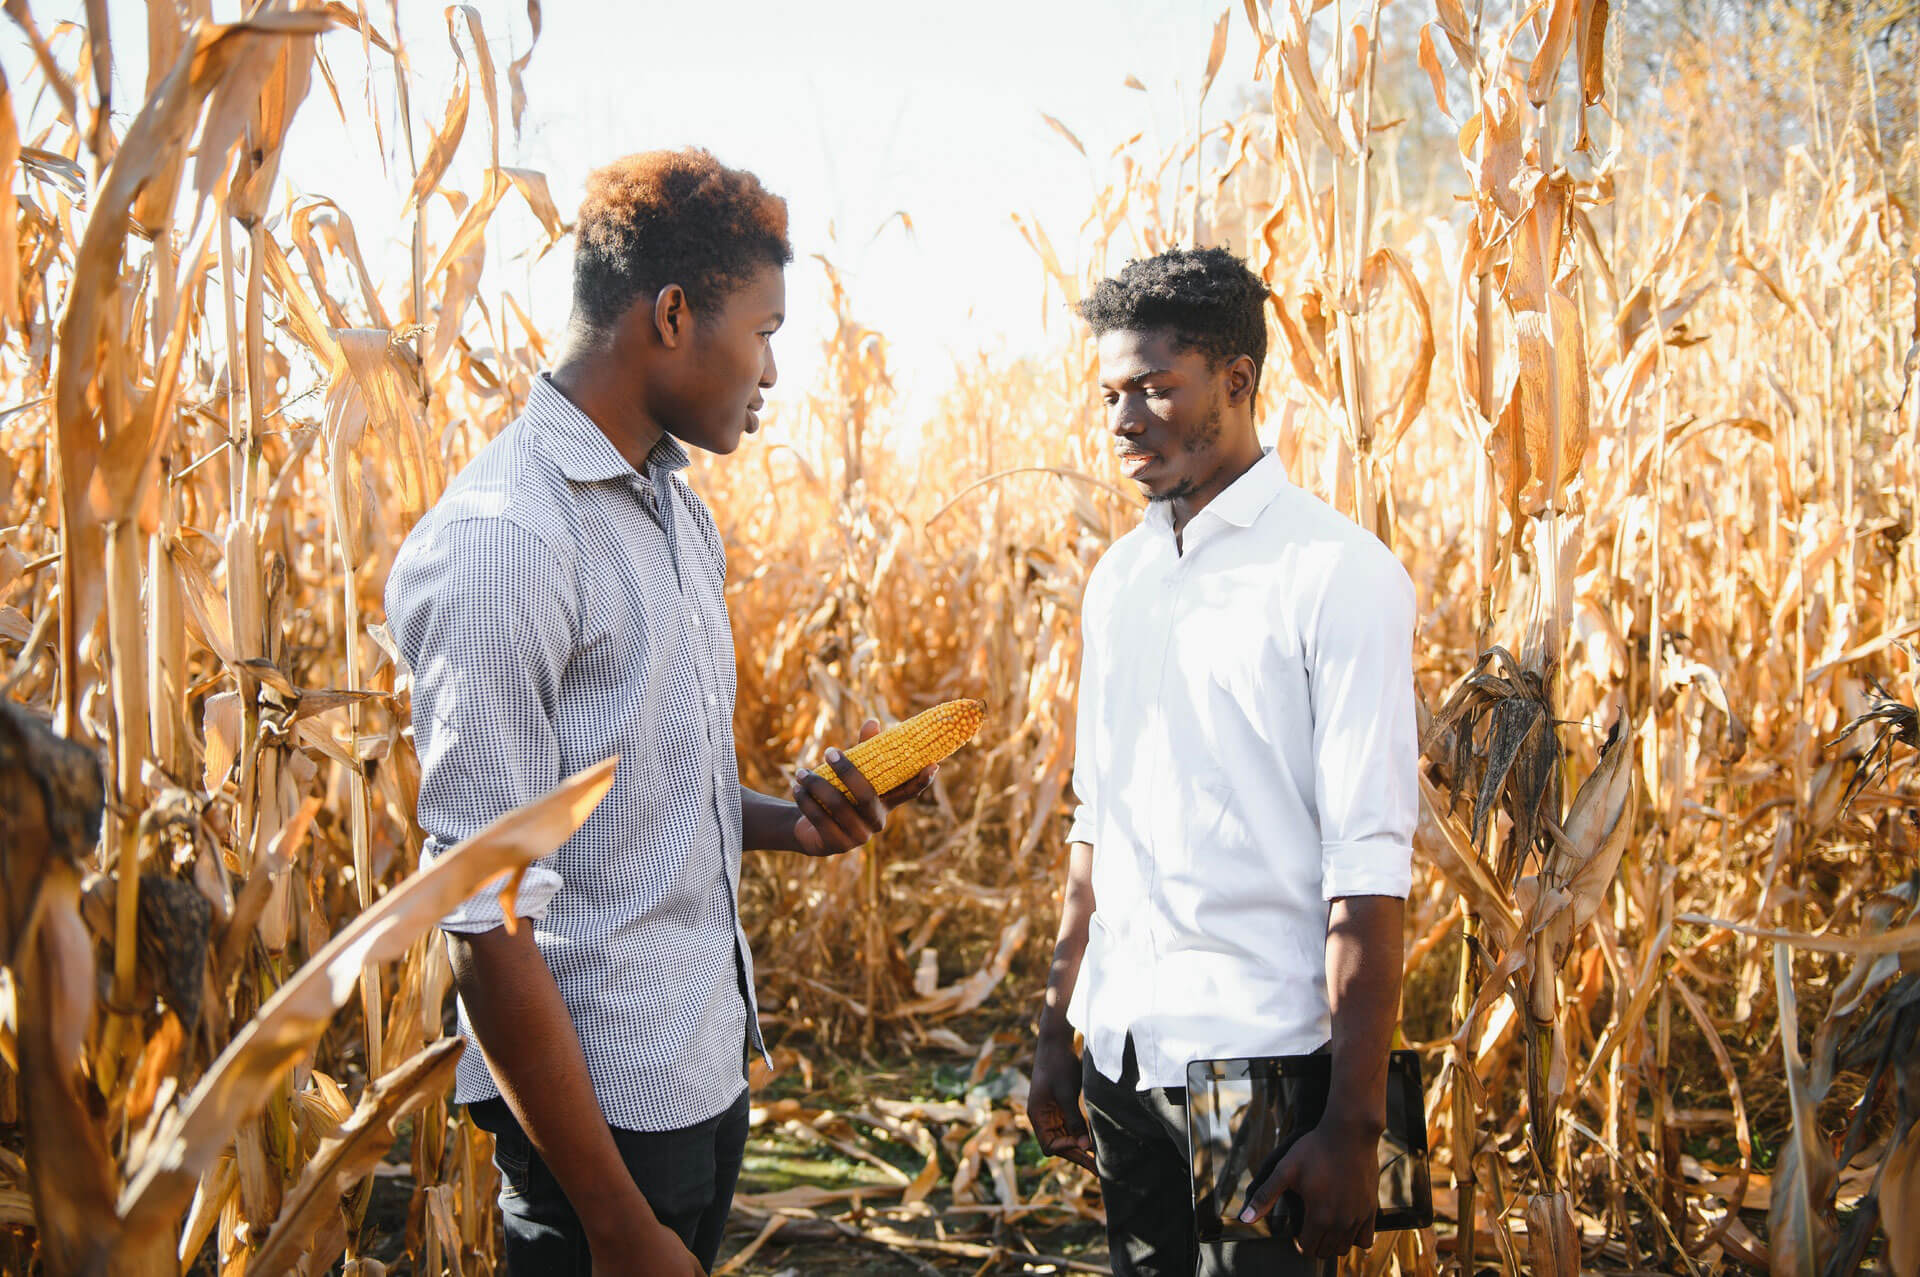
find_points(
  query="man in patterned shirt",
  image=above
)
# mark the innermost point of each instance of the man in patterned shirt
(563, 603)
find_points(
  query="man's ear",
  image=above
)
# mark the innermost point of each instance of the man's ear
(1240, 380)
(672, 316)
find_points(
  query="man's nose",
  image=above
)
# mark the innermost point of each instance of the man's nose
(768, 373)
(1124, 418)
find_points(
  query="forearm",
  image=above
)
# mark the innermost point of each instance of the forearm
(523, 1025)
(1363, 988)
(1070, 948)
(767, 823)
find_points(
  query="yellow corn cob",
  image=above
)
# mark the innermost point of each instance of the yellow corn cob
(896, 755)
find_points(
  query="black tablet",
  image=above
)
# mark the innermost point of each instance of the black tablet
(1243, 1115)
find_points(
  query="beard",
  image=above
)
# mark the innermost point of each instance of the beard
(1204, 434)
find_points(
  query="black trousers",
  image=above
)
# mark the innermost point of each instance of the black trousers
(1140, 1146)
(687, 1177)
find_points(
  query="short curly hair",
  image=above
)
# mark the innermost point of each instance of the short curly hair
(1205, 297)
(671, 217)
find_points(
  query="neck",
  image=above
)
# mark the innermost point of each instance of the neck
(1232, 466)
(598, 377)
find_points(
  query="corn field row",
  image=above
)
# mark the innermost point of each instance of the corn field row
(1649, 452)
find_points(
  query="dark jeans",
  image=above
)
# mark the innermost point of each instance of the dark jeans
(687, 1177)
(1140, 1145)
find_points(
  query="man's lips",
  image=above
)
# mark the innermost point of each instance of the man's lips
(1134, 462)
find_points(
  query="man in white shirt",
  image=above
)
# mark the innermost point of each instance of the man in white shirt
(1245, 767)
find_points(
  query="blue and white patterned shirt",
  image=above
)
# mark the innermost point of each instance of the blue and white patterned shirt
(558, 607)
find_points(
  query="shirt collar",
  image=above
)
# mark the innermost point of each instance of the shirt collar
(1243, 500)
(581, 449)
(1250, 494)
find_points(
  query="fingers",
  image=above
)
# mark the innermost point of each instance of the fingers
(1264, 1197)
(1324, 1237)
(836, 820)
(1314, 1239)
(865, 801)
(808, 837)
(870, 729)
(1080, 1153)
(912, 789)
(1054, 1128)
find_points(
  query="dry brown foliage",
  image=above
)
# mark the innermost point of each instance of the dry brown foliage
(1651, 455)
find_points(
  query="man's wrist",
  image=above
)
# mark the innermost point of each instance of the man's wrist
(1355, 1118)
(1054, 1028)
(609, 1219)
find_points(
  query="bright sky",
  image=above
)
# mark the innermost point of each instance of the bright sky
(853, 110)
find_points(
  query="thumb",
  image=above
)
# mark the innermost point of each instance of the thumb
(1076, 1123)
(1285, 1176)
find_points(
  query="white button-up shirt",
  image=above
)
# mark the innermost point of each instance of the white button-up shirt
(1246, 753)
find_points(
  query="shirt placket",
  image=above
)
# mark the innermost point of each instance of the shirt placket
(701, 643)
(1162, 825)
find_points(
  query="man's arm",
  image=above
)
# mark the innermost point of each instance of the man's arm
(1366, 759)
(1053, 1100)
(1334, 1169)
(1364, 957)
(1053, 1097)
(531, 1046)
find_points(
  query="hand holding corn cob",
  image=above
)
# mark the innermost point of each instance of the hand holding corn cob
(845, 802)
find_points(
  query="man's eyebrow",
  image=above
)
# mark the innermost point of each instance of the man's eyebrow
(778, 317)
(1133, 378)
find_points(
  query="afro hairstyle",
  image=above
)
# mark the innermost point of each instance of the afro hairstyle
(671, 217)
(1206, 298)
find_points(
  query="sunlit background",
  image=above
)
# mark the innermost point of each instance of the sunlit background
(904, 149)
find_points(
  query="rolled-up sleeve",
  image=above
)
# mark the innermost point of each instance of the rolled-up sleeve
(481, 611)
(1365, 741)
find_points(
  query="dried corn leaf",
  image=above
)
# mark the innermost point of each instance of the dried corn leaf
(1430, 63)
(346, 1156)
(1545, 67)
(1064, 132)
(239, 1081)
(9, 213)
(452, 126)
(1900, 1204)
(1411, 399)
(1799, 1225)
(1216, 54)
(1552, 390)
